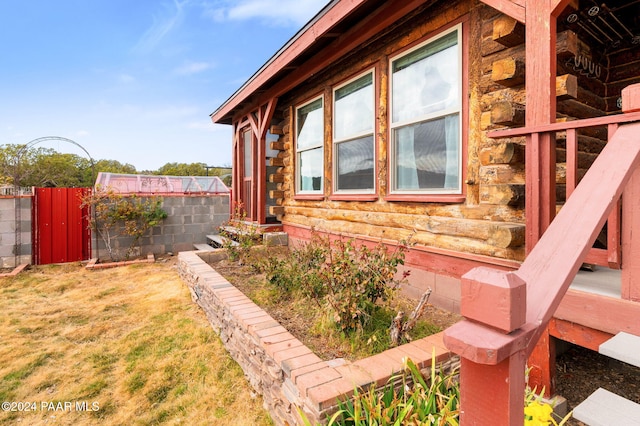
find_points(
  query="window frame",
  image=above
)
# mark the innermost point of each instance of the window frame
(432, 195)
(309, 194)
(368, 194)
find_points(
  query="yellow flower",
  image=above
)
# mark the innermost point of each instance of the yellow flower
(537, 414)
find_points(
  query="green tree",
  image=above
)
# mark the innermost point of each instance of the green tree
(182, 169)
(107, 166)
(53, 169)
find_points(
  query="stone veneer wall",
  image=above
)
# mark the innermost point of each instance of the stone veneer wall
(284, 371)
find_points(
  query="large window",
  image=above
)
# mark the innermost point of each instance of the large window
(309, 147)
(426, 104)
(353, 124)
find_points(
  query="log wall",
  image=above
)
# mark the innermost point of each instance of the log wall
(488, 225)
(490, 220)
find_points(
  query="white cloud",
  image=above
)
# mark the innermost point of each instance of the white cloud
(277, 12)
(193, 68)
(161, 26)
(82, 133)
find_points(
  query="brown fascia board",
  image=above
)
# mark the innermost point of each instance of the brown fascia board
(318, 27)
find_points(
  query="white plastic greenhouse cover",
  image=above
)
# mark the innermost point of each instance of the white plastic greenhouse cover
(152, 184)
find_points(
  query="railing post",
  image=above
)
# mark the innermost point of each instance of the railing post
(493, 394)
(491, 381)
(631, 213)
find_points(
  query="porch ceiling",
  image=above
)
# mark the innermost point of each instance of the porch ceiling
(612, 25)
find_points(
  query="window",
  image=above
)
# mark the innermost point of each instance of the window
(309, 147)
(353, 124)
(426, 143)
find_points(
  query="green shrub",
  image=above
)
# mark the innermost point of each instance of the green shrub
(352, 279)
(114, 215)
(357, 278)
(300, 271)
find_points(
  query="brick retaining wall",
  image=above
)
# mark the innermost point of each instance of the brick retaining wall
(285, 372)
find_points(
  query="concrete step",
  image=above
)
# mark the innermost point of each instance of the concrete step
(249, 230)
(623, 347)
(203, 247)
(218, 241)
(604, 408)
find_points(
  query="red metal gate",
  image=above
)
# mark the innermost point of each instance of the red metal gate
(60, 226)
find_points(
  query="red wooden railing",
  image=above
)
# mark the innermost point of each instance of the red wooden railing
(507, 312)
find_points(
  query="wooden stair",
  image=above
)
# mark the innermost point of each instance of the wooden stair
(624, 347)
(604, 408)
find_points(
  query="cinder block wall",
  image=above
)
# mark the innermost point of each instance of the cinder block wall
(8, 248)
(190, 219)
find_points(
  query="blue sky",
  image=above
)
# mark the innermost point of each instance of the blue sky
(134, 80)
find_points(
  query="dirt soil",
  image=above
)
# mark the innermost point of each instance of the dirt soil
(580, 372)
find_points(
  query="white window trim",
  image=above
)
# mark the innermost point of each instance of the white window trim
(298, 180)
(426, 117)
(354, 136)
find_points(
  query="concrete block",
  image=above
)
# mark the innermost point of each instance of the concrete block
(448, 287)
(202, 218)
(275, 238)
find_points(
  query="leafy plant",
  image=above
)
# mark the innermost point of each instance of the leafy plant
(408, 398)
(300, 271)
(537, 411)
(115, 215)
(242, 238)
(351, 278)
(357, 278)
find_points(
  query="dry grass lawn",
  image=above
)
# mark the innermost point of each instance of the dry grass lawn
(123, 346)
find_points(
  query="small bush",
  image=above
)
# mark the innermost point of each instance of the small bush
(357, 278)
(300, 271)
(350, 278)
(244, 237)
(115, 215)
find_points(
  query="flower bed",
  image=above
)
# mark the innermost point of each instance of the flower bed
(279, 366)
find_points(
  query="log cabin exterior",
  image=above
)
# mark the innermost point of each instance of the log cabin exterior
(518, 99)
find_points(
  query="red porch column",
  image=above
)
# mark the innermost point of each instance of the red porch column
(631, 214)
(492, 346)
(542, 362)
(505, 382)
(540, 198)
